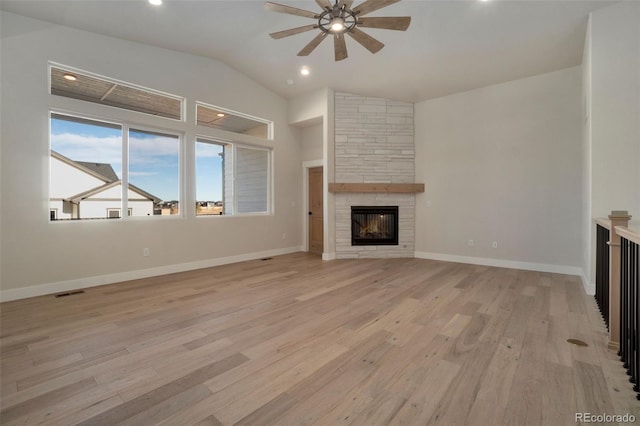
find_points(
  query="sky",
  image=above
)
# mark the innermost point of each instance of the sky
(153, 157)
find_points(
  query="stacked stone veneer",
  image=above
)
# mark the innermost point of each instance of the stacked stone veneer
(373, 144)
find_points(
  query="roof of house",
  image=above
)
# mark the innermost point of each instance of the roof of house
(102, 169)
(98, 189)
(103, 172)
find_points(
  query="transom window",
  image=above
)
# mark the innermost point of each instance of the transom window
(231, 121)
(101, 90)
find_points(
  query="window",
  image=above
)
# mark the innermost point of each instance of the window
(115, 213)
(211, 191)
(87, 174)
(101, 166)
(154, 160)
(231, 179)
(84, 86)
(223, 119)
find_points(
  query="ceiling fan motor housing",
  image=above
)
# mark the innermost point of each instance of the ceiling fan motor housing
(328, 17)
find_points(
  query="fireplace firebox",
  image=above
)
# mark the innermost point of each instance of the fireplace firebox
(374, 225)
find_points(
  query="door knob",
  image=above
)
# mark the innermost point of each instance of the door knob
(310, 213)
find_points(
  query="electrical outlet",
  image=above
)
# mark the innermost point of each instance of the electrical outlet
(470, 243)
(494, 244)
(145, 252)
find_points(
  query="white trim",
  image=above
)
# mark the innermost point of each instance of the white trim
(82, 283)
(501, 263)
(306, 165)
(328, 256)
(589, 288)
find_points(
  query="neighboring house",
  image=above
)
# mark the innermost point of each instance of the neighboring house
(82, 190)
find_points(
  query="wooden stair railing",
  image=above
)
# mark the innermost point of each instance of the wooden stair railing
(629, 304)
(618, 288)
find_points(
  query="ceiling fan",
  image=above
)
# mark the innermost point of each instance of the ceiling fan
(338, 19)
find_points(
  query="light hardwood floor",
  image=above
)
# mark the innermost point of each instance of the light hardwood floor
(297, 341)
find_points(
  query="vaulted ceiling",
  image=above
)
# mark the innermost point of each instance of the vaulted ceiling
(451, 45)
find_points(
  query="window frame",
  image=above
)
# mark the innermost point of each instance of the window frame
(213, 141)
(268, 123)
(187, 133)
(74, 70)
(234, 204)
(125, 127)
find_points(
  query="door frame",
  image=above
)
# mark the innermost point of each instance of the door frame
(306, 165)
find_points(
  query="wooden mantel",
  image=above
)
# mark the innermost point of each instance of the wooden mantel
(377, 187)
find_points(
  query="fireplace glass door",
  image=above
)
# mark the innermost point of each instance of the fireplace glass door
(374, 225)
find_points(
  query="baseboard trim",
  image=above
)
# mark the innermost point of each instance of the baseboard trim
(61, 286)
(589, 288)
(501, 263)
(328, 256)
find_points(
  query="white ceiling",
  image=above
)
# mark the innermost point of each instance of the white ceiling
(451, 45)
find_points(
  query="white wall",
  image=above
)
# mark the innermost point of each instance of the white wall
(311, 142)
(588, 231)
(611, 86)
(64, 257)
(308, 110)
(615, 109)
(502, 163)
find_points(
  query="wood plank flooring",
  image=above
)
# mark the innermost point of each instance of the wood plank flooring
(296, 341)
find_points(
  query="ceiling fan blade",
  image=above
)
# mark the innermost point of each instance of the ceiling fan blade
(325, 4)
(293, 31)
(290, 10)
(370, 43)
(312, 44)
(340, 47)
(371, 5)
(399, 23)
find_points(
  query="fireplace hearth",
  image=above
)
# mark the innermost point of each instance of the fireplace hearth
(374, 225)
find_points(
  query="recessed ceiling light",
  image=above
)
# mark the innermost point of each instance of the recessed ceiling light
(220, 114)
(305, 71)
(155, 2)
(69, 76)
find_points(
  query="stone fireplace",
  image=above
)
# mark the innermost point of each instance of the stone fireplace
(374, 145)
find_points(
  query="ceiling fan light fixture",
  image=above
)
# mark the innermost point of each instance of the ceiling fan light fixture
(337, 25)
(305, 71)
(338, 20)
(155, 2)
